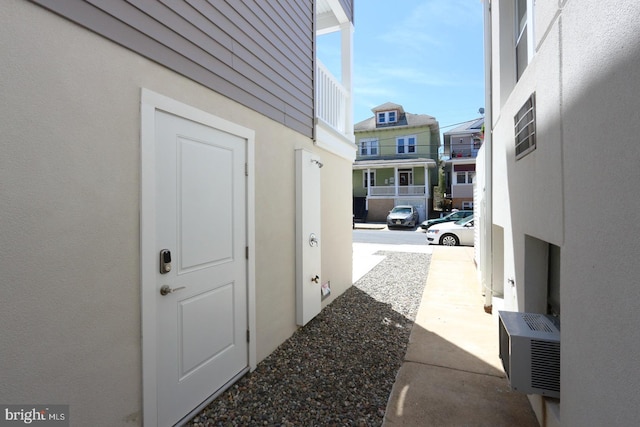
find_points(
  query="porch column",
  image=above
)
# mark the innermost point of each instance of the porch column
(427, 184)
(427, 192)
(346, 41)
(368, 181)
(396, 178)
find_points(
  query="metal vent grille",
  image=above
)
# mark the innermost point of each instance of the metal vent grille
(525, 128)
(536, 322)
(545, 365)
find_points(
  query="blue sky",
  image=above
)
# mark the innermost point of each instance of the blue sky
(426, 55)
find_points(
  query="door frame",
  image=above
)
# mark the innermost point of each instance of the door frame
(150, 102)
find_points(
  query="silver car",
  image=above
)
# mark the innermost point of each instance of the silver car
(402, 216)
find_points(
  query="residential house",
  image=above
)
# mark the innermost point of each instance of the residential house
(556, 177)
(461, 146)
(395, 163)
(161, 188)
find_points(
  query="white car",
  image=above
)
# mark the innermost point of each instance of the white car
(452, 233)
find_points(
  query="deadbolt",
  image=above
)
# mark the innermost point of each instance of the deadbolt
(165, 261)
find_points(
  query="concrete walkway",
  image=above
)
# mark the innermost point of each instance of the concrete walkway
(451, 375)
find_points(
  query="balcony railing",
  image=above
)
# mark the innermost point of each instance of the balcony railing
(402, 190)
(464, 153)
(331, 100)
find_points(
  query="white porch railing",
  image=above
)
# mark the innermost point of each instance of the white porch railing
(331, 99)
(402, 190)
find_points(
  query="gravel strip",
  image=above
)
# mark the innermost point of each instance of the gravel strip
(339, 369)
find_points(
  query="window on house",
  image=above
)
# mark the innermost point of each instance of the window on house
(465, 177)
(368, 179)
(405, 144)
(386, 117)
(525, 128)
(524, 35)
(369, 147)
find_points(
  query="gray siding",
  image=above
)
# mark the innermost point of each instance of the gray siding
(258, 53)
(347, 6)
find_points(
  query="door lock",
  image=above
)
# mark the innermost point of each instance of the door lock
(165, 261)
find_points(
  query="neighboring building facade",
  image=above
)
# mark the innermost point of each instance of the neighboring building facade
(461, 146)
(557, 192)
(154, 160)
(395, 163)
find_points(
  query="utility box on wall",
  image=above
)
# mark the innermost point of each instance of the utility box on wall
(530, 352)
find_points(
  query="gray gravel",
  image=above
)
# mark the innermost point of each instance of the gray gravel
(339, 369)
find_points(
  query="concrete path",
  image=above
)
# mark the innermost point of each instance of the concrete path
(451, 375)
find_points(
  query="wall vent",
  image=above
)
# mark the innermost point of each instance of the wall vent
(530, 352)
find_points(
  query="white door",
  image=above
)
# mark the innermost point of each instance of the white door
(201, 221)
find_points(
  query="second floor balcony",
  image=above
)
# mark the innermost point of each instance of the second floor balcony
(333, 77)
(333, 101)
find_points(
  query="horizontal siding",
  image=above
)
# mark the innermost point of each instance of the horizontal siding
(347, 6)
(257, 53)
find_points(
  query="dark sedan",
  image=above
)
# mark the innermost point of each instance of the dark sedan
(453, 216)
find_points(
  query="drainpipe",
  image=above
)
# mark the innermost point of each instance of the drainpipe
(487, 247)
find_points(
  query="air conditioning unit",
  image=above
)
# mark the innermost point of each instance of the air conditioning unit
(530, 352)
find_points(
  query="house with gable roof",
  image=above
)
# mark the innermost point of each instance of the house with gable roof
(395, 162)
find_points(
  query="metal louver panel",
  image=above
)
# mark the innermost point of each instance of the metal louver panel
(530, 352)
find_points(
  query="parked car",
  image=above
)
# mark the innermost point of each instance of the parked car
(453, 216)
(402, 216)
(452, 233)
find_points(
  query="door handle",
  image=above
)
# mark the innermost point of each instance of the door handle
(166, 290)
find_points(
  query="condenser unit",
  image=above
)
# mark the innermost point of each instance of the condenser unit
(530, 352)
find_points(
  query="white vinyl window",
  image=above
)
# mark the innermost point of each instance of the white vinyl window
(524, 35)
(406, 144)
(369, 147)
(465, 177)
(385, 117)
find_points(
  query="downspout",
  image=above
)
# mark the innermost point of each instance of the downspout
(487, 249)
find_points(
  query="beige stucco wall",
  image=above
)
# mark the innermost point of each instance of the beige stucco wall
(576, 191)
(70, 173)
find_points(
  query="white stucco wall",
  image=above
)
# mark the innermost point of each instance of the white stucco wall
(70, 173)
(600, 293)
(577, 191)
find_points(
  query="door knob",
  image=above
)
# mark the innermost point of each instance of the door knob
(166, 289)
